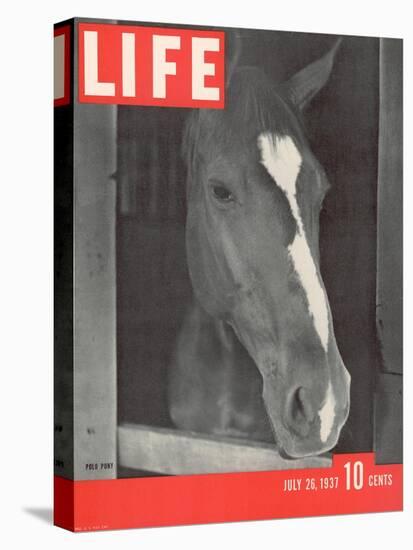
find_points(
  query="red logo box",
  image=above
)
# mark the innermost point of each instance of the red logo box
(134, 65)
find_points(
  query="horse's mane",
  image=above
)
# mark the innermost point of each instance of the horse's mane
(253, 104)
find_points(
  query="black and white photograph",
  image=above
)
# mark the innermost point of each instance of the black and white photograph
(237, 262)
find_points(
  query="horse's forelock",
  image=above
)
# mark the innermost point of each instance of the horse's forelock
(252, 106)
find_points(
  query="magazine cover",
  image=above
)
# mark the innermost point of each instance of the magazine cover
(228, 274)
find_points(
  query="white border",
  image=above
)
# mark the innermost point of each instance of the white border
(26, 270)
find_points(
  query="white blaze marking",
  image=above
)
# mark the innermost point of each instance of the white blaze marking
(326, 414)
(280, 157)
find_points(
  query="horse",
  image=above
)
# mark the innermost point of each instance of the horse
(256, 356)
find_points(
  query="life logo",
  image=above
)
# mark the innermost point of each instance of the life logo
(144, 65)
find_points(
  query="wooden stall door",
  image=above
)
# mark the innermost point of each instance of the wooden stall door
(388, 397)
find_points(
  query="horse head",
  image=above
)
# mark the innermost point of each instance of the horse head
(254, 192)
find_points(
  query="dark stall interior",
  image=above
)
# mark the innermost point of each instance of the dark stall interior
(153, 287)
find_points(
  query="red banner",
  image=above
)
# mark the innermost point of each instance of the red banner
(354, 484)
(134, 65)
(62, 47)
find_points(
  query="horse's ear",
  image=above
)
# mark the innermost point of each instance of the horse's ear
(305, 84)
(233, 53)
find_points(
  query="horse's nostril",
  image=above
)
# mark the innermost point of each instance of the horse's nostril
(300, 411)
(303, 404)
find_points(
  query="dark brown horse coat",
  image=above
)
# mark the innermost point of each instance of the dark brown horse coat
(257, 356)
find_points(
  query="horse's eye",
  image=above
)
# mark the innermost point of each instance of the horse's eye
(222, 193)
